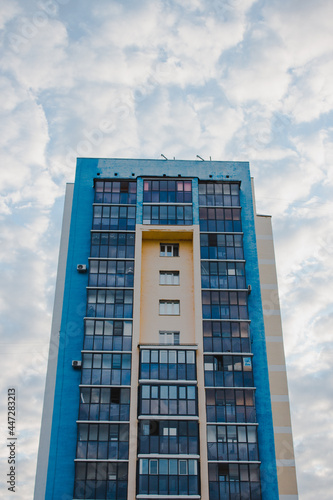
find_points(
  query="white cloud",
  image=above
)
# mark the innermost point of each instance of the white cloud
(233, 80)
(310, 94)
(28, 54)
(8, 10)
(304, 28)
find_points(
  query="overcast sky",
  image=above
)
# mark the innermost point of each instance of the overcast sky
(231, 79)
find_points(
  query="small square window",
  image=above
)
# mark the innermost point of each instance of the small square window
(169, 277)
(169, 338)
(169, 307)
(169, 250)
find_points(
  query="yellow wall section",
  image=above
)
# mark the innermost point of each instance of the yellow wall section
(151, 322)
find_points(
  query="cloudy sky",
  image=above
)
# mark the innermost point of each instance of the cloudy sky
(231, 79)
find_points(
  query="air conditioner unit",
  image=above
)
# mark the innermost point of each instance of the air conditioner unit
(81, 268)
(76, 364)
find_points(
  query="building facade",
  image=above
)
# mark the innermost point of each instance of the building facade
(166, 375)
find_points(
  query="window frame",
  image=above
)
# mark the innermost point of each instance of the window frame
(174, 336)
(173, 307)
(175, 278)
(174, 246)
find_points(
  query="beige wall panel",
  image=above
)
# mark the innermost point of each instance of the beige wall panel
(267, 273)
(270, 299)
(284, 447)
(265, 249)
(152, 292)
(287, 480)
(272, 325)
(263, 225)
(275, 353)
(281, 414)
(278, 384)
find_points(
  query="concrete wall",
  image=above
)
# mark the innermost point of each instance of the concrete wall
(284, 450)
(45, 433)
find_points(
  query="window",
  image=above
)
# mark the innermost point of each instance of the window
(112, 245)
(168, 400)
(118, 192)
(110, 303)
(222, 274)
(237, 442)
(114, 217)
(169, 338)
(224, 370)
(229, 405)
(165, 481)
(226, 336)
(167, 364)
(224, 305)
(169, 277)
(94, 441)
(218, 194)
(221, 246)
(108, 335)
(182, 467)
(169, 307)
(106, 369)
(220, 219)
(96, 477)
(169, 250)
(153, 467)
(167, 191)
(168, 214)
(225, 477)
(111, 273)
(104, 403)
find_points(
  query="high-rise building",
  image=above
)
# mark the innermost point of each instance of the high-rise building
(166, 375)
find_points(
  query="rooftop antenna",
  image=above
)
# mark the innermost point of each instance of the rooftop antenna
(200, 158)
(164, 157)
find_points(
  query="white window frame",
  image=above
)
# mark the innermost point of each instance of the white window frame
(169, 249)
(169, 307)
(169, 278)
(169, 338)
(144, 461)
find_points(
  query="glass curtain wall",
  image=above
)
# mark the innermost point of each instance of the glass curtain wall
(233, 461)
(101, 465)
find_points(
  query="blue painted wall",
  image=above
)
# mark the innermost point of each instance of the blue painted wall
(60, 479)
(269, 484)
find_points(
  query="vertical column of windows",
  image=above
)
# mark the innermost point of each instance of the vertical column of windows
(159, 474)
(103, 423)
(230, 406)
(168, 434)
